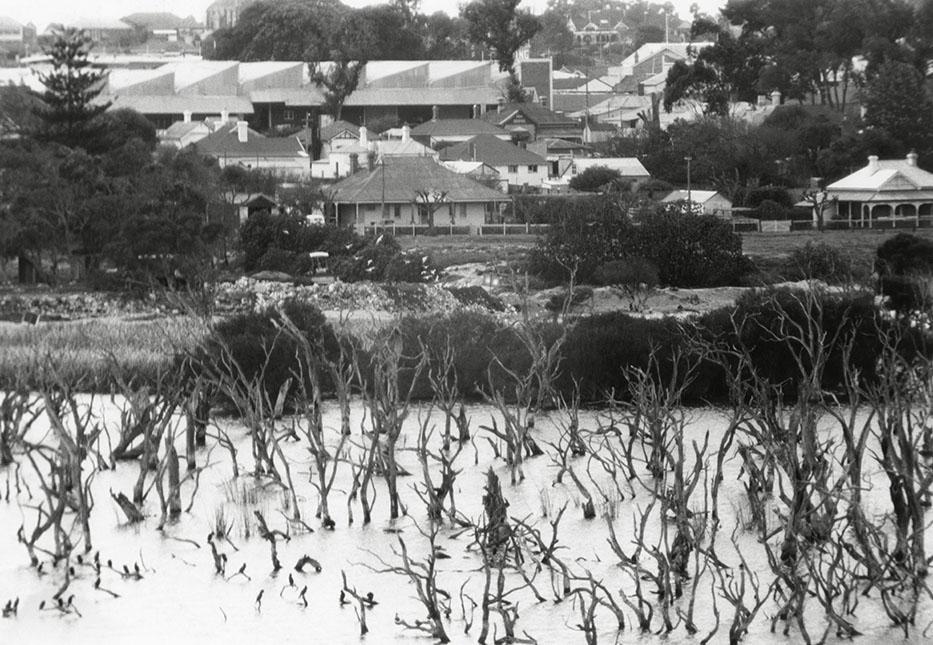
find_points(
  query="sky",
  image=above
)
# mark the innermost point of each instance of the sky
(43, 12)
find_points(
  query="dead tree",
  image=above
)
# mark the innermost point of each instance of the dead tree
(19, 410)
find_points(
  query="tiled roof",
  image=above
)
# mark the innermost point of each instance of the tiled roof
(181, 128)
(331, 130)
(537, 114)
(456, 127)
(399, 180)
(225, 142)
(491, 150)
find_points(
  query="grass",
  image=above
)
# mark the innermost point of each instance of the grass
(448, 251)
(87, 352)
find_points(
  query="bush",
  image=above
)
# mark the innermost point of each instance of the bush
(770, 210)
(477, 297)
(597, 179)
(381, 259)
(250, 336)
(689, 250)
(904, 264)
(281, 242)
(757, 196)
(630, 272)
(819, 261)
(564, 300)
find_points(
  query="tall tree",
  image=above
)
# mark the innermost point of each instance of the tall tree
(501, 28)
(69, 111)
(339, 79)
(897, 101)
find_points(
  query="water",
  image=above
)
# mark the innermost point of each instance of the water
(180, 598)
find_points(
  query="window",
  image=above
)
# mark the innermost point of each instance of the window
(513, 170)
(288, 115)
(533, 168)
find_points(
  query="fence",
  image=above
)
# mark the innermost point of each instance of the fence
(513, 229)
(416, 230)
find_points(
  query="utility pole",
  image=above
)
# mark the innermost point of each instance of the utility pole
(688, 159)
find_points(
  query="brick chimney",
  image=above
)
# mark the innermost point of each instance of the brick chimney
(364, 136)
(475, 111)
(873, 164)
(435, 113)
(912, 158)
(186, 116)
(776, 97)
(241, 134)
(406, 133)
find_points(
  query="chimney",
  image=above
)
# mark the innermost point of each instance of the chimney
(241, 134)
(406, 133)
(472, 147)
(762, 100)
(873, 163)
(186, 116)
(224, 116)
(776, 97)
(354, 163)
(475, 111)
(912, 158)
(499, 103)
(434, 112)
(364, 136)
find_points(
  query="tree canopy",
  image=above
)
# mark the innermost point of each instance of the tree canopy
(501, 28)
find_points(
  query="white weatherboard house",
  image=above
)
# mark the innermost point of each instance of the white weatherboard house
(886, 190)
(711, 202)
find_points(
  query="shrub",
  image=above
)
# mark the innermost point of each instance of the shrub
(630, 272)
(819, 261)
(281, 242)
(757, 196)
(564, 300)
(689, 250)
(904, 264)
(772, 210)
(251, 336)
(597, 179)
(381, 259)
(477, 297)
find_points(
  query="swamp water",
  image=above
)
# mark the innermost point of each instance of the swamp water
(180, 599)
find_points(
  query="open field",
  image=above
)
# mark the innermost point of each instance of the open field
(449, 251)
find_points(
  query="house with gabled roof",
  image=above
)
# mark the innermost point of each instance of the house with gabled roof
(707, 202)
(185, 133)
(241, 145)
(438, 133)
(598, 27)
(530, 121)
(888, 191)
(418, 192)
(518, 167)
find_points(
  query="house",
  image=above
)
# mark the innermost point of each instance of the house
(480, 171)
(415, 191)
(598, 28)
(438, 133)
(224, 13)
(889, 190)
(650, 64)
(16, 39)
(241, 145)
(102, 32)
(709, 202)
(630, 170)
(518, 167)
(529, 121)
(404, 146)
(184, 133)
(168, 27)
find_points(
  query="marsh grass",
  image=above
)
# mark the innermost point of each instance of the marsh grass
(87, 352)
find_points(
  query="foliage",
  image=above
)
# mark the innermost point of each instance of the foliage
(381, 259)
(68, 111)
(820, 261)
(596, 179)
(477, 296)
(339, 81)
(904, 264)
(630, 272)
(257, 344)
(501, 28)
(897, 101)
(772, 210)
(282, 241)
(774, 194)
(689, 250)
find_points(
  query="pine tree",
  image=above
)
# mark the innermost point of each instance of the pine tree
(69, 114)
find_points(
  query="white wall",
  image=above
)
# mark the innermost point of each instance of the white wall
(524, 175)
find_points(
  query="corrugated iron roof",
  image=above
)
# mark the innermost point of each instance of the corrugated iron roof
(178, 104)
(226, 143)
(457, 127)
(423, 96)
